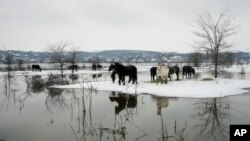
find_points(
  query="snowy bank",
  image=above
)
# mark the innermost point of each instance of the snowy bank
(185, 88)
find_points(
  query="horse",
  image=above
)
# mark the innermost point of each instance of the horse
(162, 73)
(93, 67)
(187, 71)
(122, 71)
(73, 67)
(96, 66)
(99, 67)
(172, 70)
(153, 73)
(36, 67)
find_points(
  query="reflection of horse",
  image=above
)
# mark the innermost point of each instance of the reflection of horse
(162, 73)
(172, 70)
(96, 67)
(36, 67)
(162, 102)
(187, 71)
(124, 101)
(96, 75)
(73, 67)
(153, 73)
(122, 71)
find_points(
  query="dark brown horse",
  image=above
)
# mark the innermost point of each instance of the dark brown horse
(172, 70)
(73, 67)
(36, 68)
(96, 67)
(153, 73)
(188, 71)
(122, 71)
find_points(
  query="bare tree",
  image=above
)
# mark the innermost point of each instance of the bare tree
(20, 64)
(214, 34)
(73, 55)
(57, 53)
(8, 60)
(195, 58)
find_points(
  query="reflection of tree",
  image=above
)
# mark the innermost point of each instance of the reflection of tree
(54, 99)
(213, 114)
(12, 96)
(9, 93)
(84, 126)
(37, 84)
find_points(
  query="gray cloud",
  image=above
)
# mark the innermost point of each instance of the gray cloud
(111, 24)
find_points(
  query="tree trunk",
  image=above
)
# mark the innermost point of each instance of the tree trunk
(61, 66)
(216, 62)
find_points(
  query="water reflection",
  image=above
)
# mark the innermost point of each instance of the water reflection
(37, 83)
(80, 114)
(162, 102)
(124, 101)
(55, 99)
(96, 76)
(213, 115)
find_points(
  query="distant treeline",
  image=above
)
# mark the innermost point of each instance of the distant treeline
(106, 56)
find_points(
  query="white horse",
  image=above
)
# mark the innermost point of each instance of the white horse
(162, 73)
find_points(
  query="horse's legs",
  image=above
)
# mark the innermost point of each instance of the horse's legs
(169, 77)
(120, 79)
(129, 78)
(124, 80)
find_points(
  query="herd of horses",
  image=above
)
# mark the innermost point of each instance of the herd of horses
(72, 67)
(162, 72)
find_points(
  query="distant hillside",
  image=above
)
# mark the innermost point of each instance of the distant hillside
(110, 55)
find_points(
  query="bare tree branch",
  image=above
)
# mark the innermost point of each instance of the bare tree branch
(214, 33)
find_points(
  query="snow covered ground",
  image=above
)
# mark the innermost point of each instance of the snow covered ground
(185, 88)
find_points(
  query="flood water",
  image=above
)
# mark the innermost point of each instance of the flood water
(77, 115)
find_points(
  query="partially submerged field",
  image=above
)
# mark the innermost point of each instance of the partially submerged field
(202, 107)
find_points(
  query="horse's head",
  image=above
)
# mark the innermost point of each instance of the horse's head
(111, 67)
(193, 71)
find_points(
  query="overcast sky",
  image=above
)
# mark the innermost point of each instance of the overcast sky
(158, 25)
